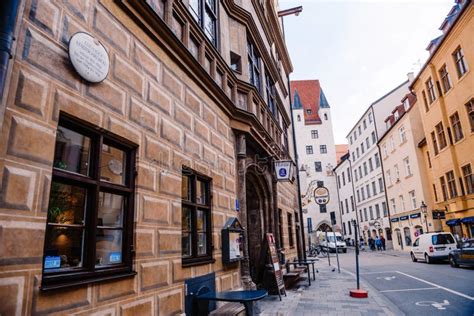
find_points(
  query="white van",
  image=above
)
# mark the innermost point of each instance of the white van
(330, 243)
(432, 246)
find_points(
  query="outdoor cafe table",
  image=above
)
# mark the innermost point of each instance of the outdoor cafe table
(244, 297)
(308, 261)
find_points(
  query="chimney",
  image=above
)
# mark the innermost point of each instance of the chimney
(410, 76)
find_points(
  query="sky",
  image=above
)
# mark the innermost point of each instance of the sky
(360, 50)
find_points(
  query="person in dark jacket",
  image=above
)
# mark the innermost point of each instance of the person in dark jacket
(383, 242)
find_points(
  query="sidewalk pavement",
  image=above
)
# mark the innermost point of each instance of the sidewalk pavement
(328, 295)
(388, 252)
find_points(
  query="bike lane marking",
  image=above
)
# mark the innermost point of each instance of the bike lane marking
(437, 286)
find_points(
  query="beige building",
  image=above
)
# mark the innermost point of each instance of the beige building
(445, 91)
(114, 194)
(404, 174)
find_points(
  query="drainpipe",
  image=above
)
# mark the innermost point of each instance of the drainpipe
(297, 171)
(8, 12)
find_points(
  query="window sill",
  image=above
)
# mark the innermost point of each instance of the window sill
(82, 281)
(196, 262)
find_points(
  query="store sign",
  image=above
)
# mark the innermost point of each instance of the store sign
(404, 218)
(52, 262)
(394, 220)
(115, 257)
(310, 224)
(439, 215)
(283, 170)
(321, 195)
(89, 57)
(416, 215)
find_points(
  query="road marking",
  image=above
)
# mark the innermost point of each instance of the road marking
(387, 278)
(438, 286)
(417, 289)
(436, 305)
(376, 272)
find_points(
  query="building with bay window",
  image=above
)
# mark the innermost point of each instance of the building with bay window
(114, 193)
(444, 88)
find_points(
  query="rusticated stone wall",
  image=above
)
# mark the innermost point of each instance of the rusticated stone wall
(147, 99)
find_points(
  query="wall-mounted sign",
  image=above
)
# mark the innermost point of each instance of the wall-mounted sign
(283, 170)
(52, 262)
(89, 57)
(394, 220)
(310, 225)
(321, 195)
(404, 218)
(416, 215)
(439, 215)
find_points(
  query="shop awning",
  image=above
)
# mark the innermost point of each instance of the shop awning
(453, 222)
(467, 220)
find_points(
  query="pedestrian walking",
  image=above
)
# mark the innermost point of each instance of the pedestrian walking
(382, 239)
(378, 243)
(371, 244)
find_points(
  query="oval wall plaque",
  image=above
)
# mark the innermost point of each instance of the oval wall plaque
(88, 57)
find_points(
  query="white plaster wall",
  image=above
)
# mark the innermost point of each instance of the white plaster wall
(328, 161)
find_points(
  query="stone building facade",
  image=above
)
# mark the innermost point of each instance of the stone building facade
(113, 194)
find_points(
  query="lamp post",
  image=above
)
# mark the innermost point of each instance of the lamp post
(424, 210)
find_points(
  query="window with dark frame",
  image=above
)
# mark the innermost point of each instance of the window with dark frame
(430, 89)
(470, 113)
(441, 135)
(318, 166)
(89, 229)
(453, 192)
(314, 134)
(435, 192)
(461, 66)
(254, 66)
(444, 189)
(280, 227)
(425, 101)
(290, 230)
(457, 128)
(271, 94)
(205, 14)
(196, 228)
(468, 178)
(445, 79)
(309, 150)
(323, 149)
(435, 143)
(235, 62)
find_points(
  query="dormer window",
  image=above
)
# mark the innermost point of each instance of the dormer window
(406, 104)
(396, 115)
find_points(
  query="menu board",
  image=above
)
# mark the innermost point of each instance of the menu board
(275, 263)
(234, 246)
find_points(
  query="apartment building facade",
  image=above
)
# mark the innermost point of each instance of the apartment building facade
(114, 192)
(316, 153)
(444, 88)
(372, 208)
(408, 191)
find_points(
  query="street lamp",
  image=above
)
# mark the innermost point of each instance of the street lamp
(424, 210)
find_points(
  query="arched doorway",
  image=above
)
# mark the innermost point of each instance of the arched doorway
(258, 206)
(324, 227)
(406, 232)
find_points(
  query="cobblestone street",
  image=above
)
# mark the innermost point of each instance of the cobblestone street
(328, 295)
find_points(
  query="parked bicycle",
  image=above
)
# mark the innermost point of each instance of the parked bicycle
(315, 251)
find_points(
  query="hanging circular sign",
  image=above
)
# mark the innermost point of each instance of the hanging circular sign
(89, 57)
(321, 195)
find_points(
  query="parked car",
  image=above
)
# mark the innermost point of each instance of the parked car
(464, 256)
(432, 246)
(329, 243)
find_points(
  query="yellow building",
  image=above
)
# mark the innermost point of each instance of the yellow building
(445, 90)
